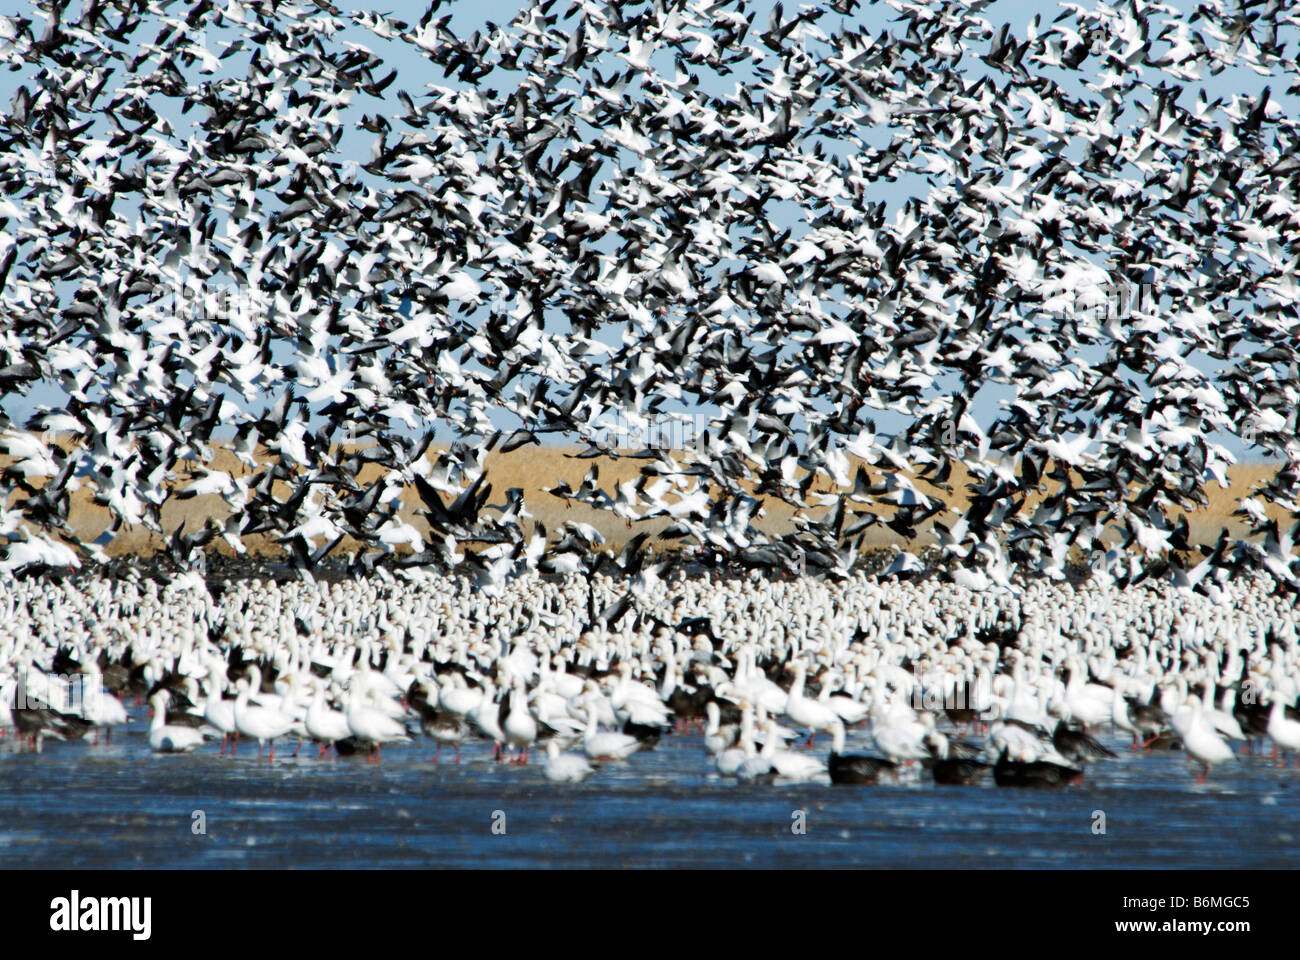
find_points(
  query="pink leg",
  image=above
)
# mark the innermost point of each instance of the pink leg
(436, 752)
(458, 753)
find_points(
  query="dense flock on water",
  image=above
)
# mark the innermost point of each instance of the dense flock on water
(1014, 686)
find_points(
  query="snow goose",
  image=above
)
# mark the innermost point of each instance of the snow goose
(1021, 745)
(717, 738)
(262, 724)
(1089, 703)
(849, 710)
(1199, 738)
(590, 699)
(456, 697)
(811, 715)
(788, 764)
(516, 720)
(899, 738)
(1222, 720)
(1119, 713)
(368, 724)
(98, 705)
(565, 767)
(731, 760)
(607, 746)
(1284, 732)
(484, 716)
(218, 711)
(325, 725)
(168, 738)
(635, 701)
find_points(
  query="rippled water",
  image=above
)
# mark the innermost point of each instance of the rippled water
(78, 805)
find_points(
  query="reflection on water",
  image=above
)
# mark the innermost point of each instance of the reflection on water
(77, 805)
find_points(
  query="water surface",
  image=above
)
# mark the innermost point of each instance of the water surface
(119, 806)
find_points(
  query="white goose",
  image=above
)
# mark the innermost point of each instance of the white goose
(325, 725)
(716, 737)
(370, 724)
(1282, 730)
(565, 767)
(218, 711)
(1089, 703)
(1199, 738)
(262, 724)
(849, 710)
(788, 764)
(731, 760)
(517, 721)
(165, 737)
(810, 714)
(609, 745)
(900, 739)
(485, 717)
(1222, 720)
(98, 705)
(456, 697)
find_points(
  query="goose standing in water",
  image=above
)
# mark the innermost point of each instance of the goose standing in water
(717, 737)
(370, 724)
(1200, 740)
(168, 738)
(218, 711)
(325, 725)
(1284, 732)
(516, 721)
(732, 759)
(811, 715)
(262, 724)
(607, 746)
(787, 764)
(565, 767)
(98, 705)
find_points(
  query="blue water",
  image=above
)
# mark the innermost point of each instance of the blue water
(115, 806)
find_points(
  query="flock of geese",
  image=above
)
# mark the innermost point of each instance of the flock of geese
(242, 222)
(932, 678)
